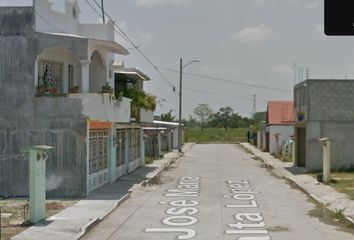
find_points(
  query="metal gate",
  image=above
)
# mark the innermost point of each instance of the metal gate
(120, 152)
(98, 157)
(134, 146)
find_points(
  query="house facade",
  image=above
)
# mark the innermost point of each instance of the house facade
(279, 125)
(57, 84)
(325, 109)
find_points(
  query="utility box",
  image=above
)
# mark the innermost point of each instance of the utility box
(37, 169)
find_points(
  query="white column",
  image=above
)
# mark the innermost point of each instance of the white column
(85, 76)
(142, 147)
(158, 144)
(112, 159)
(36, 72)
(127, 150)
(326, 146)
(293, 154)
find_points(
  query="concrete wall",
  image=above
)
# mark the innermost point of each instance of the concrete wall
(341, 148)
(98, 31)
(313, 146)
(101, 107)
(59, 22)
(285, 132)
(146, 116)
(26, 120)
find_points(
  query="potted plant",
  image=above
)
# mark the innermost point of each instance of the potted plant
(107, 88)
(40, 90)
(300, 115)
(74, 89)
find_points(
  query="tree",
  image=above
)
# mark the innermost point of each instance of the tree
(226, 116)
(167, 117)
(203, 111)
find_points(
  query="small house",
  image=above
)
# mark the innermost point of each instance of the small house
(279, 125)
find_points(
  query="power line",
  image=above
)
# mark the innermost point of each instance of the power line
(135, 47)
(225, 80)
(133, 44)
(222, 102)
(221, 94)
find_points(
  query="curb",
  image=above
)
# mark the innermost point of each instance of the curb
(156, 175)
(93, 222)
(288, 178)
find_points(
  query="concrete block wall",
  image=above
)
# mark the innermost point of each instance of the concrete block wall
(330, 100)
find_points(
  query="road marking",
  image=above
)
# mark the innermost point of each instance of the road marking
(181, 212)
(250, 224)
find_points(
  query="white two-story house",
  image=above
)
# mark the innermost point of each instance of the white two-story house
(57, 87)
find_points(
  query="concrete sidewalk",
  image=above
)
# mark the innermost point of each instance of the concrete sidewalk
(323, 194)
(73, 222)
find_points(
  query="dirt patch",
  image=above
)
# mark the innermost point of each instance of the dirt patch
(15, 214)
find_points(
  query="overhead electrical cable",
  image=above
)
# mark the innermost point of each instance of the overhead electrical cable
(226, 80)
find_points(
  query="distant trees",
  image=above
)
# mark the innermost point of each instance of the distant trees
(226, 118)
(203, 112)
(167, 117)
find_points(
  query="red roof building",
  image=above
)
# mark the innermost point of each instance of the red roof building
(280, 113)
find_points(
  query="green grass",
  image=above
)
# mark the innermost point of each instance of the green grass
(216, 135)
(342, 182)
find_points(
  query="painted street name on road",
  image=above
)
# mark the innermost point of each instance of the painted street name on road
(182, 211)
(249, 224)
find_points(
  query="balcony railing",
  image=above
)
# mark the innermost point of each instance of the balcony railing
(102, 107)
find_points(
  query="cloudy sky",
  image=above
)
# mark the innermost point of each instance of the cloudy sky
(246, 47)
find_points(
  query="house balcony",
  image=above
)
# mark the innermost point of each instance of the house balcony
(91, 106)
(142, 115)
(146, 115)
(101, 107)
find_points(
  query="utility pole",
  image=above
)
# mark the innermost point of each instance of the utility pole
(180, 107)
(103, 17)
(295, 75)
(254, 106)
(181, 66)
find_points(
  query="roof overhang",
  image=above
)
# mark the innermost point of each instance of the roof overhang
(154, 128)
(162, 123)
(109, 46)
(133, 73)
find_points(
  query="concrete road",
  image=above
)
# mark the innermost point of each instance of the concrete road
(218, 192)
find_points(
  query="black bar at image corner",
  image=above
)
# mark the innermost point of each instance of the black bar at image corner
(339, 17)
